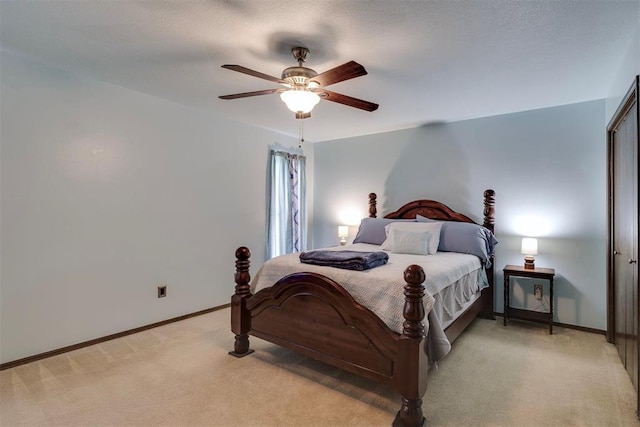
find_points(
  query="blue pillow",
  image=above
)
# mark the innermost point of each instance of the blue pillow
(466, 238)
(372, 230)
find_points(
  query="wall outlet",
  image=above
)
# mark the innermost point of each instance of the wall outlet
(537, 292)
(162, 291)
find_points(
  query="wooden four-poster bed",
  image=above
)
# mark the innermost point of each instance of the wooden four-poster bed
(314, 315)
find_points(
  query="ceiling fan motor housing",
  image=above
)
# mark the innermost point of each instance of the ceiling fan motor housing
(298, 76)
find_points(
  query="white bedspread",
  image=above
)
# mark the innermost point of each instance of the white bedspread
(380, 289)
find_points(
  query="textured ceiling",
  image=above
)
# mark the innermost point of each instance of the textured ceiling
(428, 61)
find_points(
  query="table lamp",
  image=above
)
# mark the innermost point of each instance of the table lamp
(343, 233)
(529, 248)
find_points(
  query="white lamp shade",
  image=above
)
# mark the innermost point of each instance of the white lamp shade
(529, 246)
(343, 231)
(300, 100)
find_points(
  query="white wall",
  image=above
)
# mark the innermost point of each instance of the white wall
(547, 167)
(108, 193)
(626, 72)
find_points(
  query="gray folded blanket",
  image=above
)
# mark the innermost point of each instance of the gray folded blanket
(350, 260)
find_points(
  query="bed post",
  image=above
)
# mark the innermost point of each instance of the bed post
(489, 222)
(240, 316)
(372, 205)
(411, 381)
(489, 209)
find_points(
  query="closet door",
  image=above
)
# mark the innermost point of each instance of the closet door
(624, 230)
(624, 303)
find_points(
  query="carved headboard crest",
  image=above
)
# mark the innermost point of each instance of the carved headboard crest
(430, 209)
(436, 210)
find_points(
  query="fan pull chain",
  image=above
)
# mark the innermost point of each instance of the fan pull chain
(301, 134)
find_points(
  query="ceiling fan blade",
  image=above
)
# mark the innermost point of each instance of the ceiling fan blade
(254, 93)
(245, 70)
(341, 73)
(349, 101)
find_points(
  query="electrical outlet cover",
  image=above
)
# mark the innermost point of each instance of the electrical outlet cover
(537, 291)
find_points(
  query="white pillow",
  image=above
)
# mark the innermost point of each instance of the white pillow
(410, 242)
(431, 227)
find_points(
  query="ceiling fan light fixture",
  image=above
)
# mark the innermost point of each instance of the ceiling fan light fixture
(300, 100)
(303, 87)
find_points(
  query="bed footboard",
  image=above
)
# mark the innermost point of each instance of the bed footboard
(313, 315)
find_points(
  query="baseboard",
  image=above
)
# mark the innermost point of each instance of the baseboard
(569, 326)
(66, 349)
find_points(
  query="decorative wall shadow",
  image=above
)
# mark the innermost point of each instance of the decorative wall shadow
(433, 166)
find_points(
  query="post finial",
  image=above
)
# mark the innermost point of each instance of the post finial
(413, 306)
(373, 210)
(242, 276)
(489, 209)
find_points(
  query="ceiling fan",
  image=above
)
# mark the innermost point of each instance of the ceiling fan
(303, 87)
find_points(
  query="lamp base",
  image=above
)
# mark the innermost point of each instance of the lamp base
(529, 263)
(343, 241)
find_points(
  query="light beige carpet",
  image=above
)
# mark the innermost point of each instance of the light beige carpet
(180, 375)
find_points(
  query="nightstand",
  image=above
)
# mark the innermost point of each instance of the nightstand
(517, 313)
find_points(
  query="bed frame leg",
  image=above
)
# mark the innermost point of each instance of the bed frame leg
(410, 414)
(241, 346)
(240, 316)
(411, 380)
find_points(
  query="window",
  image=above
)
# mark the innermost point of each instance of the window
(287, 230)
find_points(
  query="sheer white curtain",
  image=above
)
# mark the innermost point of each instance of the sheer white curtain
(287, 230)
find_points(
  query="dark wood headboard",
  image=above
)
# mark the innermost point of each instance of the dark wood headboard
(436, 210)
